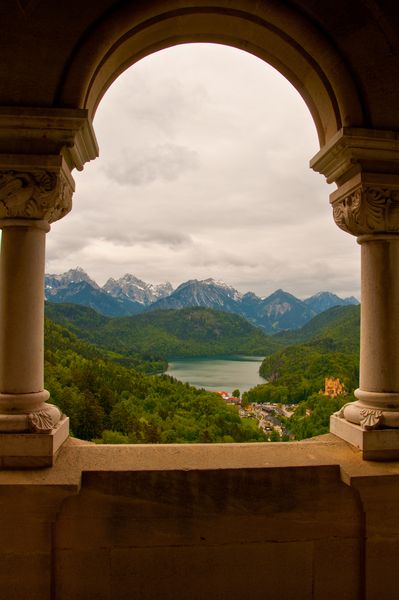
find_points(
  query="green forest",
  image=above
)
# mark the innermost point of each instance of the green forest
(166, 333)
(110, 401)
(106, 373)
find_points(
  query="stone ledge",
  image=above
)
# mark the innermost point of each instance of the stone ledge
(375, 444)
(75, 458)
(32, 450)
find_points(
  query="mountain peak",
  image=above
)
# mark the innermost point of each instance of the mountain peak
(324, 300)
(62, 280)
(228, 289)
(208, 293)
(278, 294)
(131, 287)
(132, 278)
(324, 294)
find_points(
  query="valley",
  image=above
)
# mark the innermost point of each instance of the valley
(101, 372)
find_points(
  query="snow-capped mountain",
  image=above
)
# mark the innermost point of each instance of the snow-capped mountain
(85, 294)
(58, 282)
(76, 287)
(230, 292)
(137, 290)
(125, 296)
(130, 295)
(278, 311)
(208, 293)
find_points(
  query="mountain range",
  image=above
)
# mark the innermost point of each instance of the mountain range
(125, 296)
(130, 296)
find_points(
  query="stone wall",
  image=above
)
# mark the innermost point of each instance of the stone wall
(296, 520)
(244, 533)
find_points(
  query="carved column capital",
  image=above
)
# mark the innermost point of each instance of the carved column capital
(35, 191)
(364, 163)
(37, 194)
(367, 208)
(39, 148)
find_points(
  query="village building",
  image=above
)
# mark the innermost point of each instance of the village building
(224, 395)
(234, 401)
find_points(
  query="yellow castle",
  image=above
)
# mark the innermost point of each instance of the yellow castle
(333, 387)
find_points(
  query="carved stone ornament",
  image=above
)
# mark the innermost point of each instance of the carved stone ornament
(368, 209)
(367, 418)
(370, 418)
(340, 412)
(44, 420)
(38, 194)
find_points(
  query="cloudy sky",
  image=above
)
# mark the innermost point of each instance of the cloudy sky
(203, 172)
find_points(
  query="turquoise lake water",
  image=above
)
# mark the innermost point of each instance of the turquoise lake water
(218, 373)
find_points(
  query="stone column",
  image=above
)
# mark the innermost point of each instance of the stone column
(30, 200)
(370, 210)
(378, 393)
(39, 148)
(366, 205)
(23, 399)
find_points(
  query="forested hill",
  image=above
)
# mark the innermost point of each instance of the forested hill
(339, 327)
(61, 341)
(166, 333)
(328, 347)
(114, 403)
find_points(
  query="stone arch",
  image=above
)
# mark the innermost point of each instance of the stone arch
(275, 33)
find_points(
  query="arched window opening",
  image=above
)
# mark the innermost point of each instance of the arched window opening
(203, 174)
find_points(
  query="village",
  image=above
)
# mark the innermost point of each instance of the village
(268, 414)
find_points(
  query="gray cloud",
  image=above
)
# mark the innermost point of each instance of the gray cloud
(204, 172)
(162, 102)
(65, 242)
(172, 239)
(166, 162)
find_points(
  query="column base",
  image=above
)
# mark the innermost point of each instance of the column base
(28, 413)
(372, 410)
(32, 450)
(375, 444)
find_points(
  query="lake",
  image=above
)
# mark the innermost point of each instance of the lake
(225, 373)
